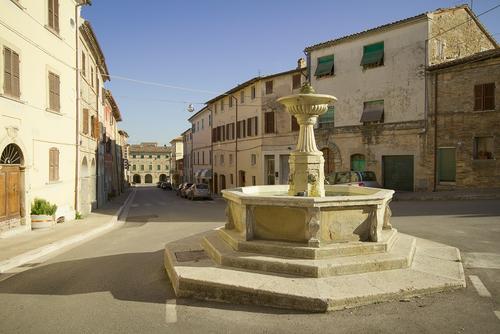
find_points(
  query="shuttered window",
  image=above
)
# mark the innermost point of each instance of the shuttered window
(85, 121)
(296, 81)
(242, 96)
(11, 73)
(249, 127)
(256, 126)
(269, 87)
(373, 55)
(373, 111)
(84, 65)
(484, 97)
(53, 164)
(325, 66)
(328, 116)
(54, 92)
(53, 12)
(92, 124)
(252, 91)
(295, 126)
(269, 122)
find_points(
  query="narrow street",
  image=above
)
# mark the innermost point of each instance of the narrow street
(116, 283)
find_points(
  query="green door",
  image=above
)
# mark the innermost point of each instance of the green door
(358, 162)
(398, 172)
(446, 164)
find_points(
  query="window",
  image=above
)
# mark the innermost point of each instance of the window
(84, 65)
(269, 87)
(253, 159)
(269, 122)
(11, 80)
(209, 120)
(202, 123)
(54, 14)
(103, 94)
(158, 167)
(150, 156)
(222, 105)
(295, 125)
(327, 117)
(242, 96)
(210, 156)
(484, 97)
(54, 92)
(249, 126)
(254, 181)
(215, 108)
(325, 66)
(222, 159)
(142, 167)
(198, 157)
(231, 177)
(483, 148)
(241, 129)
(203, 157)
(230, 101)
(142, 156)
(53, 164)
(85, 121)
(150, 167)
(166, 167)
(230, 158)
(94, 130)
(373, 55)
(134, 167)
(158, 156)
(92, 76)
(296, 81)
(133, 155)
(373, 111)
(252, 93)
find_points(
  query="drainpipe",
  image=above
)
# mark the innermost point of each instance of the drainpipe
(435, 129)
(236, 143)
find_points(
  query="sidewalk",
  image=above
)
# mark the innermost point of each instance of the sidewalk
(27, 246)
(444, 195)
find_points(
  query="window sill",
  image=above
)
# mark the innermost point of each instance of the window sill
(324, 76)
(13, 98)
(53, 31)
(487, 110)
(54, 112)
(18, 4)
(53, 182)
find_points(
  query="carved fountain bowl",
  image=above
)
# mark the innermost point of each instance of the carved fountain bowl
(307, 104)
(346, 214)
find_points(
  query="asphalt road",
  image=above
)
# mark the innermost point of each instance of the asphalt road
(116, 283)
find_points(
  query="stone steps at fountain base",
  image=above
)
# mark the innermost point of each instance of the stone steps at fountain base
(435, 268)
(399, 257)
(303, 251)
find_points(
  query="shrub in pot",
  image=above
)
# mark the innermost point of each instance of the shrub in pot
(42, 214)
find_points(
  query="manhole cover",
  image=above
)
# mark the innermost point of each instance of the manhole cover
(194, 255)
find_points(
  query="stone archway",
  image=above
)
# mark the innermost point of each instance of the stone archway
(84, 187)
(148, 178)
(335, 158)
(136, 178)
(12, 186)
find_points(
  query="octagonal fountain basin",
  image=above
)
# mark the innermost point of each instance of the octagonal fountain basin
(345, 214)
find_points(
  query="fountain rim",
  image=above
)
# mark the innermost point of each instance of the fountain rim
(307, 95)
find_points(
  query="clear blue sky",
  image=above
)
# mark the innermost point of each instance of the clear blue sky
(213, 45)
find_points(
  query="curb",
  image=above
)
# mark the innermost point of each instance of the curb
(34, 254)
(448, 197)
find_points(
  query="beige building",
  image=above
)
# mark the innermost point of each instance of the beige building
(187, 144)
(37, 109)
(176, 160)
(201, 156)
(464, 122)
(252, 135)
(379, 78)
(149, 163)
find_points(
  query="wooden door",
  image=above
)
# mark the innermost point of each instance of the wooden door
(10, 202)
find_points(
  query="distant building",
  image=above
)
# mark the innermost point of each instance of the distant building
(464, 122)
(201, 128)
(149, 163)
(176, 160)
(187, 169)
(379, 122)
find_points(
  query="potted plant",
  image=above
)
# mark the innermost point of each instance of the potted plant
(42, 214)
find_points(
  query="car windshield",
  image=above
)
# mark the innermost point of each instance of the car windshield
(368, 176)
(202, 186)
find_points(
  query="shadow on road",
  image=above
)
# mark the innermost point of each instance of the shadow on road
(460, 209)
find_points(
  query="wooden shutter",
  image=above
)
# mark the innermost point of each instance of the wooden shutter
(51, 13)
(238, 131)
(296, 81)
(15, 74)
(56, 15)
(249, 127)
(243, 128)
(52, 164)
(256, 126)
(54, 92)
(269, 121)
(478, 97)
(295, 125)
(85, 120)
(489, 96)
(7, 71)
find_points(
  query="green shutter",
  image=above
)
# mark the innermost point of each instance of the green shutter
(373, 54)
(328, 116)
(325, 66)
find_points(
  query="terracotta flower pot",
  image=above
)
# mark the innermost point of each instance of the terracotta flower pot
(41, 221)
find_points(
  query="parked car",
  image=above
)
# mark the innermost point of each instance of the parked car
(198, 190)
(166, 186)
(179, 187)
(184, 189)
(362, 179)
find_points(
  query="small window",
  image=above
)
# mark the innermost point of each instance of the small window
(328, 117)
(158, 156)
(222, 159)
(230, 158)
(85, 121)
(84, 65)
(325, 66)
(373, 111)
(54, 92)
(202, 123)
(252, 93)
(296, 81)
(249, 127)
(158, 167)
(134, 167)
(253, 159)
(269, 87)
(242, 96)
(230, 101)
(142, 156)
(269, 122)
(209, 120)
(150, 167)
(484, 97)
(294, 124)
(222, 105)
(483, 148)
(11, 76)
(142, 167)
(231, 177)
(254, 180)
(150, 156)
(53, 14)
(53, 164)
(373, 55)
(92, 76)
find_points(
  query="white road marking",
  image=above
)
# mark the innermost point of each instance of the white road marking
(497, 313)
(171, 311)
(482, 260)
(480, 287)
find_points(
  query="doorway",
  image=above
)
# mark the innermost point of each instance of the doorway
(269, 169)
(284, 168)
(446, 164)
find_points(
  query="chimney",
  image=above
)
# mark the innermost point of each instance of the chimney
(301, 63)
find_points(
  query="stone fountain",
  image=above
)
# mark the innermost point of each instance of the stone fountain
(307, 245)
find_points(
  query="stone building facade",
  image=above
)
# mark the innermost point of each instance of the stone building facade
(149, 163)
(201, 129)
(379, 122)
(464, 122)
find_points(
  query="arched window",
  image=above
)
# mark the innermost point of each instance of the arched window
(136, 178)
(53, 164)
(11, 155)
(148, 178)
